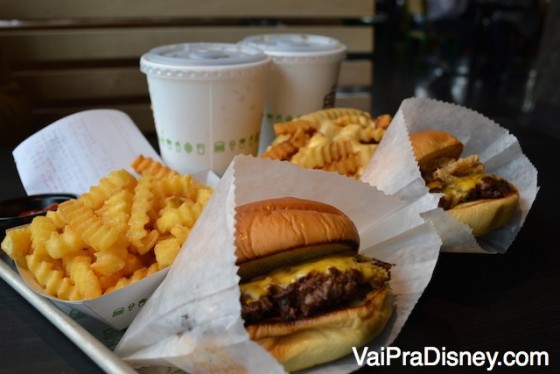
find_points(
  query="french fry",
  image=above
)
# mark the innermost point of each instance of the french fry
(41, 228)
(115, 181)
(116, 209)
(280, 151)
(94, 232)
(148, 166)
(119, 232)
(166, 250)
(178, 185)
(47, 272)
(109, 281)
(138, 229)
(180, 233)
(110, 261)
(60, 245)
(331, 114)
(362, 119)
(84, 278)
(322, 155)
(57, 219)
(183, 215)
(383, 121)
(291, 127)
(336, 139)
(17, 244)
(68, 291)
(132, 263)
(135, 277)
(348, 165)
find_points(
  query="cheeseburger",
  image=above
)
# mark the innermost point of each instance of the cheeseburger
(306, 295)
(480, 200)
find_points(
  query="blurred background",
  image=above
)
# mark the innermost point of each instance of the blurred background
(498, 57)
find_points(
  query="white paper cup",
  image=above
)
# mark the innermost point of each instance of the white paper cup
(207, 100)
(303, 77)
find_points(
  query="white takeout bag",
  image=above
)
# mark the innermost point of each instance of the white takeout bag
(394, 170)
(193, 320)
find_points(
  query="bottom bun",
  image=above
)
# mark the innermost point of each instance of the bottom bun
(305, 343)
(483, 216)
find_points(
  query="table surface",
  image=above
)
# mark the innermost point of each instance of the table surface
(474, 302)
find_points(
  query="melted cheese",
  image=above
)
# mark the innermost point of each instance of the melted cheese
(459, 188)
(468, 183)
(285, 276)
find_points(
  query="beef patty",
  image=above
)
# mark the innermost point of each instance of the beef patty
(310, 295)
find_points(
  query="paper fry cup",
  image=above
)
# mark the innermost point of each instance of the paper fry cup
(394, 170)
(193, 320)
(118, 308)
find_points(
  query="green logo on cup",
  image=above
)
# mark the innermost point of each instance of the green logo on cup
(200, 149)
(219, 146)
(276, 118)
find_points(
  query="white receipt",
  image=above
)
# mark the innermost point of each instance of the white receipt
(73, 153)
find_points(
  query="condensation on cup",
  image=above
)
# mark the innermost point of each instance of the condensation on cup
(207, 101)
(303, 77)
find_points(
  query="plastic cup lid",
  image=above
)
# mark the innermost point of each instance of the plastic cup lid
(294, 43)
(204, 54)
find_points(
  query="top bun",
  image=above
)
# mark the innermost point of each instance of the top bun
(431, 146)
(283, 231)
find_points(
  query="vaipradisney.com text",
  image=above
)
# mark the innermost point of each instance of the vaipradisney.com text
(440, 356)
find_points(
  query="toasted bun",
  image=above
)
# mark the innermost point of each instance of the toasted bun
(305, 343)
(278, 232)
(483, 216)
(275, 233)
(430, 146)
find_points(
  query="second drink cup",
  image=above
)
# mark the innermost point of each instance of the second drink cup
(303, 77)
(207, 101)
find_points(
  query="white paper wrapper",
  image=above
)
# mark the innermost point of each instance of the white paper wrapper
(193, 321)
(394, 170)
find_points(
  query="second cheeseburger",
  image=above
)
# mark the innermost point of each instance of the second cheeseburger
(306, 295)
(480, 200)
